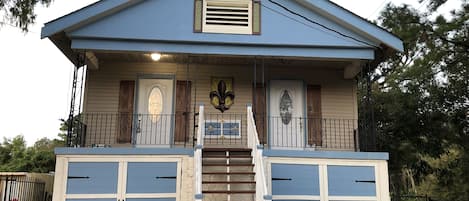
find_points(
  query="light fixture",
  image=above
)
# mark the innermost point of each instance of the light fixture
(155, 56)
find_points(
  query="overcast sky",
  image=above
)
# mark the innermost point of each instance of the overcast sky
(35, 77)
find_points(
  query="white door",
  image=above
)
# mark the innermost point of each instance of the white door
(155, 112)
(286, 113)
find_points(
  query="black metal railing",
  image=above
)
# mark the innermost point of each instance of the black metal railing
(225, 129)
(123, 129)
(22, 189)
(307, 133)
(221, 129)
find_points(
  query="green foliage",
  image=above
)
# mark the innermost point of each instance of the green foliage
(421, 101)
(15, 156)
(20, 12)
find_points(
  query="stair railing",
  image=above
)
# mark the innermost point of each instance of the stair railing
(258, 160)
(198, 155)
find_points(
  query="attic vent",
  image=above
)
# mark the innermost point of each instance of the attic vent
(226, 16)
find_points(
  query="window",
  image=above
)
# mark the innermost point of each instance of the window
(227, 16)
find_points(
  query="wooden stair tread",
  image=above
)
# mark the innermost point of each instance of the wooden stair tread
(231, 164)
(229, 192)
(228, 182)
(228, 173)
(225, 149)
(224, 156)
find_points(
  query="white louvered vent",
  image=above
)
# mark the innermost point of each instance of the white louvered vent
(225, 16)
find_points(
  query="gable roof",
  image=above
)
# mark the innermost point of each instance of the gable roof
(114, 25)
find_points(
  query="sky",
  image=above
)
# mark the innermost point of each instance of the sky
(35, 77)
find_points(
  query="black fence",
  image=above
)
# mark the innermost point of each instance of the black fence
(307, 133)
(22, 189)
(169, 130)
(108, 130)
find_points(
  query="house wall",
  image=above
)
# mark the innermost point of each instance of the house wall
(338, 95)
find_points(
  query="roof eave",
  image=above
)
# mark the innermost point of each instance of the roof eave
(354, 22)
(85, 16)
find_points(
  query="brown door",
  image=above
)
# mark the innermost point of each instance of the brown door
(126, 107)
(314, 115)
(183, 102)
(259, 111)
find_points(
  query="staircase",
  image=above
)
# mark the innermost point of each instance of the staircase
(227, 174)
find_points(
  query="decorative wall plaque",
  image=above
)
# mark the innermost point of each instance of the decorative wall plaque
(222, 95)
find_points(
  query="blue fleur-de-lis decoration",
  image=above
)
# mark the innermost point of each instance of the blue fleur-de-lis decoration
(222, 99)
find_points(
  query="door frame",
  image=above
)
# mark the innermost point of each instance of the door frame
(268, 112)
(173, 105)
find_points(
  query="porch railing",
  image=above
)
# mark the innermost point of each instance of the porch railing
(258, 160)
(198, 155)
(177, 130)
(141, 130)
(308, 133)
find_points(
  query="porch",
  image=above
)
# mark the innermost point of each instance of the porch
(297, 103)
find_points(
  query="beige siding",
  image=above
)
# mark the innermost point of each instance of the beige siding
(338, 95)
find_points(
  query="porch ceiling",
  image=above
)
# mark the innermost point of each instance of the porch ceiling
(113, 57)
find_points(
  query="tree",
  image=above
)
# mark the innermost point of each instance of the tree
(422, 101)
(20, 13)
(15, 156)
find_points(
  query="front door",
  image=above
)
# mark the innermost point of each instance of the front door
(155, 112)
(286, 113)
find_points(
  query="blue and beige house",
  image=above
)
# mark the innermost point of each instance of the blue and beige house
(226, 100)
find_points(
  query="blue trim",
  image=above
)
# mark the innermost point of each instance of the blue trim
(124, 151)
(329, 10)
(85, 16)
(199, 196)
(267, 197)
(327, 154)
(223, 49)
(360, 25)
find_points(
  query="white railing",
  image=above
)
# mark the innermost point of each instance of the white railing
(258, 160)
(198, 155)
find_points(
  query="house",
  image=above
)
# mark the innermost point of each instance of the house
(26, 186)
(218, 100)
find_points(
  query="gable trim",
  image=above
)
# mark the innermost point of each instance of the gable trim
(85, 16)
(352, 21)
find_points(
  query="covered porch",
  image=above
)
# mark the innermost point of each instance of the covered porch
(130, 100)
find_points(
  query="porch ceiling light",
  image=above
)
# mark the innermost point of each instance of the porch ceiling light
(155, 56)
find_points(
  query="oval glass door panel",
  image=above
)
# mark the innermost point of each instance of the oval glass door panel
(155, 104)
(286, 107)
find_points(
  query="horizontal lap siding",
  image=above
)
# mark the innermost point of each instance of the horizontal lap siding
(338, 96)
